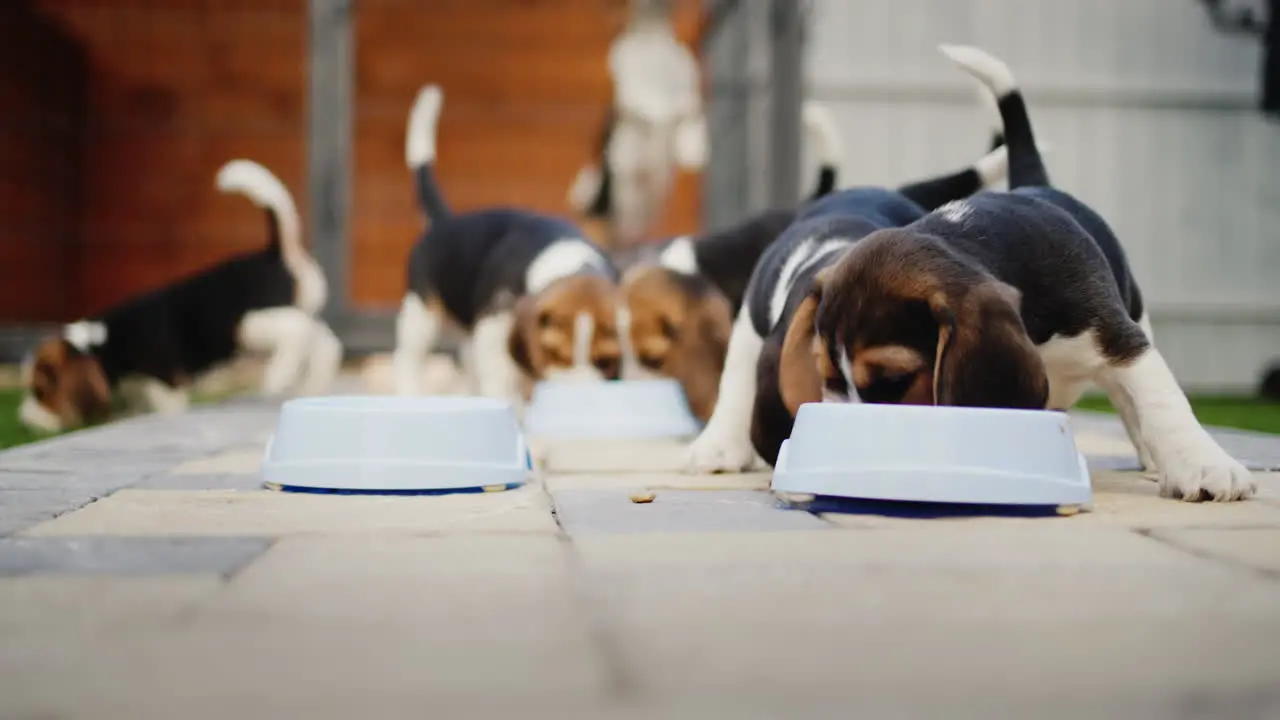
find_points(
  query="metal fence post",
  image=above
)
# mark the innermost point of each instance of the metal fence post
(786, 86)
(329, 143)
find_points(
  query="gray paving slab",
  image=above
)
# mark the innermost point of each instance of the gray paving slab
(127, 555)
(23, 509)
(1258, 451)
(676, 511)
(200, 481)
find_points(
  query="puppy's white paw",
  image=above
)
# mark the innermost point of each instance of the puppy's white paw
(717, 452)
(1208, 473)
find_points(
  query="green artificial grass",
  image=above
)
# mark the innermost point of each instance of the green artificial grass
(1244, 413)
(12, 432)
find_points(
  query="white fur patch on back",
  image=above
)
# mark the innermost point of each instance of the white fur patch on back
(561, 259)
(678, 255)
(956, 211)
(84, 335)
(802, 258)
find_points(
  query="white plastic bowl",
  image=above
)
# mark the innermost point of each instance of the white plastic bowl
(933, 454)
(381, 444)
(614, 409)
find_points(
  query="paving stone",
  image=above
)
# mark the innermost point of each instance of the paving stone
(657, 481)
(1018, 613)
(22, 509)
(291, 670)
(126, 555)
(200, 481)
(1255, 547)
(676, 511)
(57, 606)
(242, 461)
(618, 456)
(1122, 499)
(267, 513)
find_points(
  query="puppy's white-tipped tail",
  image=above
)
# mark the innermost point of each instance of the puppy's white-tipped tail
(986, 68)
(990, 109)
(993, 167)
(257, 183)
(821, 127)
(420, 138)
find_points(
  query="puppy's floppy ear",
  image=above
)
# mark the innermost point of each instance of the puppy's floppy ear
(984, 355)
(525, 323)
(799, 381)
(88, 389)
(711, 321)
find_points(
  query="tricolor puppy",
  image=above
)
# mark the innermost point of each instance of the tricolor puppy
(680, 296)
(680, 307)
(750, 415)
(262, 302)
(536, 298)
(1014, 300)
(656, 124)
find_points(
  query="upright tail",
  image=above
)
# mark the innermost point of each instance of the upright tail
(257, 183)
(1026, 167)
(932, 193)
(420, 150)
(821, 126)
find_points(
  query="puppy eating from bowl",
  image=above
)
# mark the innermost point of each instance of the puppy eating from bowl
(680, 302)
(534, 297)
(1007, 300)
(160, 342)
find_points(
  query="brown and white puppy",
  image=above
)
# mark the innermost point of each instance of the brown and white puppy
(262, 302)
(537, 299)
(677, 302)
(1015, 300)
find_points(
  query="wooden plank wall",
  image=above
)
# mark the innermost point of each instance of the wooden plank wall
(42, 93)
(180, 86)
(526, 88)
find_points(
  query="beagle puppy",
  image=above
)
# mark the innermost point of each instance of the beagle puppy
(749, 417)
(680, 304)
(265, 301)
(1014, 300)
(537, 299)
(655, 125)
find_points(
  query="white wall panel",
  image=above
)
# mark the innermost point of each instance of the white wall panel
(1149, 112)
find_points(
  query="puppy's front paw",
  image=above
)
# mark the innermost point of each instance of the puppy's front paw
(716, 452)
(1208, 473)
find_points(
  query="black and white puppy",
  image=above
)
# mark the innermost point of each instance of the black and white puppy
(1016, 300)
(262, 302)
(536, 298)
(681, 303)
(745, 421)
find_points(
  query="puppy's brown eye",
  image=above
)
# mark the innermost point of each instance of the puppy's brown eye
(669, 329)
(653, 362)
(544, 320)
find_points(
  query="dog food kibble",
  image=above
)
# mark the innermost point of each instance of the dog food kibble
(645, 497)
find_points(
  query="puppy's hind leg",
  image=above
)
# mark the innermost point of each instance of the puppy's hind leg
(1188, 463)
(496, 373)
(286, 333)
(417, 330)
(325, 360)
(725, 443)
(164, 399)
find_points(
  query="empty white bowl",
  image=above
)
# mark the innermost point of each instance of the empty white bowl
(381, 444)
(933, 454)
(613, 409)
